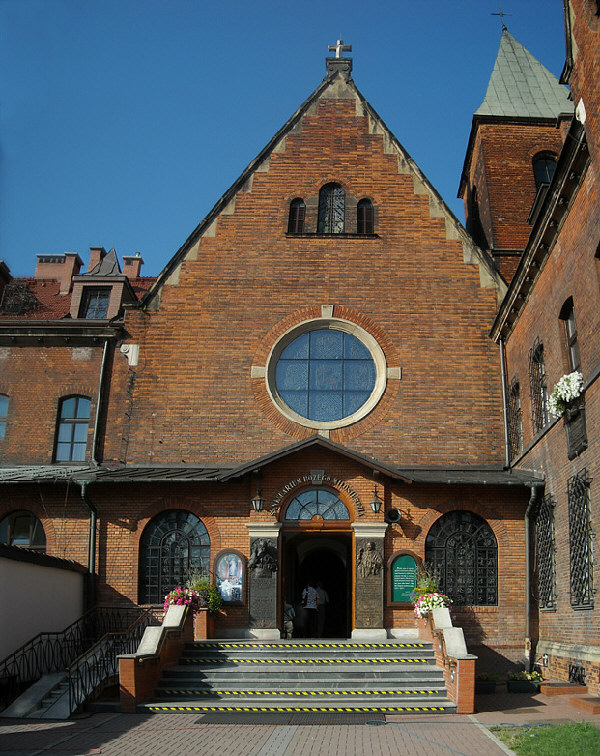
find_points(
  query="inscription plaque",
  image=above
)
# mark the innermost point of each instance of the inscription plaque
(263, 583)
(404, 578)
(369, 584)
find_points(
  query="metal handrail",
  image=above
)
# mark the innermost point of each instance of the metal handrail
(55, 651)
(100, 663)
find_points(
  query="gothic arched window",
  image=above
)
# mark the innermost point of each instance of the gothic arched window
(174, 545)
(332, 209)
(538, 387)
(463, 549)
(365, 217)
(296, 217)
(544, 165)
(318, 503)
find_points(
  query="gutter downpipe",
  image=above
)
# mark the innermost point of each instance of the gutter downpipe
(83, 484)
(99, 404)
(91, 576)
(533, 500)
(504, 403)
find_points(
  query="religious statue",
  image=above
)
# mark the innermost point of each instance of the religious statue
(261, 557)
(369, 560)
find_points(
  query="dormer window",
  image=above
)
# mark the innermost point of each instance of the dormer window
(94, 302)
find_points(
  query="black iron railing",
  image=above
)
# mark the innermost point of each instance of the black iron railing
(54, 652)
(100, 664)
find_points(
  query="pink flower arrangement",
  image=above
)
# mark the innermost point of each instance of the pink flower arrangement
(184, 597)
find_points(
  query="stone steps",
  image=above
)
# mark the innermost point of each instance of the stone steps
(304, 676)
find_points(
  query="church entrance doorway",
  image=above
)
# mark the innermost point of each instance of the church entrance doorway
(319, 557)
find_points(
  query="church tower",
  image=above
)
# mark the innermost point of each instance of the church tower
(516, 136)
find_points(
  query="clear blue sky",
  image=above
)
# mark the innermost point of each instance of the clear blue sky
(123, 121)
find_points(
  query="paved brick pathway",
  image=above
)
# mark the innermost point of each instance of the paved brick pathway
(174, 734)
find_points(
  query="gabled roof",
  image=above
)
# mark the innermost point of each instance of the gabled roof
(338, 84)
(312, 442)
(521, 87)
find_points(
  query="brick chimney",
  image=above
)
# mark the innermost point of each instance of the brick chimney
(60, 268)
(96, 255)
(132, 264)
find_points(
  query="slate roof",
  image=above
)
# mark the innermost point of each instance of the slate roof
(521, 87)
(108, 266)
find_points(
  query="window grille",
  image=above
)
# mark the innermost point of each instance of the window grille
(296, 217)
(538, 387)
(173, 545)
(332, 209)
(317, 503)
(365, 219)
(580, 541)
(515, 420)
(545, 553)
(463, 549)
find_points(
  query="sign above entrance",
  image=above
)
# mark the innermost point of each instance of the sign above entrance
(315, 479)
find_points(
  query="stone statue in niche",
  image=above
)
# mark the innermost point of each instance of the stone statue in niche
(261, 559)
(370, 561)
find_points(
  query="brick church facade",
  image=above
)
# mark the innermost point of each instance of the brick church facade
(320, 384)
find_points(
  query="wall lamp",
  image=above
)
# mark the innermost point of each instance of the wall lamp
(375, 501)
(258, 502)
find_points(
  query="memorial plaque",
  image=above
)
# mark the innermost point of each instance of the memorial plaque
(369, 585)
(404, 578)
(262, 567)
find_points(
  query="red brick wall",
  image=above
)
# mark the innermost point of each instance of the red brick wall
(194, 398)
(502, 170)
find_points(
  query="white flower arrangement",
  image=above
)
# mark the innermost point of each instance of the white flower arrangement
(429, 601)
(569, 387)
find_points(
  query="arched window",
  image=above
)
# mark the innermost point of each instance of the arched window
(544, 165)
(332, 209)
(297, 214)
(365, 217)
(3, 415)
(72, 430)
(22, 528)
(174, 545)
(316, 503)
(567, 315)
(538, 387)
(515, 420)
(463, 549)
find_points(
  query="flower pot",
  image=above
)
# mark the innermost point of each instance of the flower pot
(523, 686)
(485, 687)
(203, 624)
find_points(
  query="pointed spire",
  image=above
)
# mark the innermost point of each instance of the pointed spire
(520, 86)
(108, 266)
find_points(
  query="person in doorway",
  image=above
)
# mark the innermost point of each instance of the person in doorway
(310, 601)
(289, 615)
(323, 601)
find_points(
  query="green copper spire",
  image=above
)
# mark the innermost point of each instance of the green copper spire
(520, 86)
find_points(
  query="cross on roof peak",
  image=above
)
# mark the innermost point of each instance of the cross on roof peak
(502, 14)
(340, 48)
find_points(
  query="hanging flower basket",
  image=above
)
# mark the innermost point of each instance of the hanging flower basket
(567, 389)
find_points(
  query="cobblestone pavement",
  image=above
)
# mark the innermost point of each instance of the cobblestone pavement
(173, 734)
